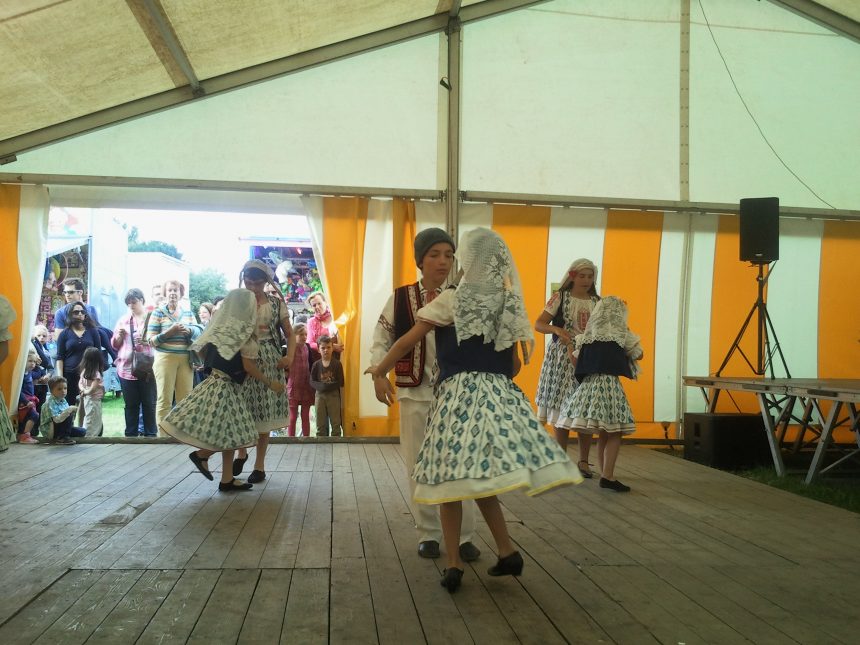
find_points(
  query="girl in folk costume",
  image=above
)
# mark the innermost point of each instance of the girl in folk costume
(606, 350)
(270, 408)
(565, 316)
(482, 437)
(215, 416)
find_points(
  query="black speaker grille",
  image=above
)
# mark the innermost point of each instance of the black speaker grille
(759, 229)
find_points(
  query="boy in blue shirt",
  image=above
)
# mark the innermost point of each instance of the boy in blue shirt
(56, 422)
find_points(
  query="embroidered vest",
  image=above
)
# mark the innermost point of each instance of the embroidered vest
(409, 370)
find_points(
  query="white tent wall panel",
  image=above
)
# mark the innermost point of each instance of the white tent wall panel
(573, 233)
(703, 237)
(800, 82)
(370, 120)
(573, 98)
(670, 302)
(792, 296)
(378, 267)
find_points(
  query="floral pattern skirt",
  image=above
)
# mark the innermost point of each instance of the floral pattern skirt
(213, 417)
(600, 403)
(482, 439)
(269, 409)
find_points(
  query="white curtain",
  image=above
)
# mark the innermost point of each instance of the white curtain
(32, 243)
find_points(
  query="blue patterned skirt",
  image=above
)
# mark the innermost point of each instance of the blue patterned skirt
(599, 403)
(270, 409)
(482, 439)
(7, 433)
(213, 417)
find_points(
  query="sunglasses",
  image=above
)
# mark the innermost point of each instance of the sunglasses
(69, 293)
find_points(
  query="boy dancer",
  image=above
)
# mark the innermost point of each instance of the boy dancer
(434, 255)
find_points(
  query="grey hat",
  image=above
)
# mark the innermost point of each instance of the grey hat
(427, 238)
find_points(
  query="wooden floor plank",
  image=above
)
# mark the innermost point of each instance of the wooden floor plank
(248, 549)
(315, 543)
(31, 622)
(129, 541)
(283, 545)
(130, 617)
(307, 616)
(351, 616)
(180, 611)
(80, 620)
(265, 619)
(224, 614)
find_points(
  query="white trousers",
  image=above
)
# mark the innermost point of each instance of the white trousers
(92, 416)
(413, 420)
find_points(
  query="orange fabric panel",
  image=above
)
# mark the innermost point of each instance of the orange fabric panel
(838, 306)
(631, 262)
(344, 225)
(525, 229)
(10, 279)
(735, 290)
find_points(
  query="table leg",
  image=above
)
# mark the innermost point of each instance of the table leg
(823, 440)
(778, 465)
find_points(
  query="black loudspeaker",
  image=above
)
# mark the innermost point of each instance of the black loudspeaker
(759, 230)
(727, 441)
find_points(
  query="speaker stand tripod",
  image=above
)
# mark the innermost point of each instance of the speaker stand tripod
(765, 333)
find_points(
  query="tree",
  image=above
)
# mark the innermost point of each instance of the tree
(135, 244)
(205, 286)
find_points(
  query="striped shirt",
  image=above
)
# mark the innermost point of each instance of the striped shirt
(160, 321)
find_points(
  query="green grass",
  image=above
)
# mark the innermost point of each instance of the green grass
(843, 492)
(113, 415)
(841, 489)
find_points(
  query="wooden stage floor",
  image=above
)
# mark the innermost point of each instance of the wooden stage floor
(128, 544)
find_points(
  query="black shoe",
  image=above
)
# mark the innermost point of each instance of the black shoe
(428, 549)
(202, 465)
(256, 477)
(451, 579)
(614, 484)
(584, 470)
(238, 465)
(511, 565)
(469, 552)
(233, 486)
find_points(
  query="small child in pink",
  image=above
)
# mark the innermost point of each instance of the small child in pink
(299, 388)
(91, 386)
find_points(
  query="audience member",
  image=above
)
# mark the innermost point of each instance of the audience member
(138, 392)
(299, 382)
(28, 403)
(7, 317)
(73, 291)
(322, 323)
(56, 423)
(92, 389)
(327, 379)
(45, 367)
(71, 345)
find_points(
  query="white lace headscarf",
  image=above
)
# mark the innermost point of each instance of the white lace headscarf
(608, 322)
(232, 325)
(489, 297)
(579, 265)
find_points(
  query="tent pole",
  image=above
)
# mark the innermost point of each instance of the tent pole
(455, 67)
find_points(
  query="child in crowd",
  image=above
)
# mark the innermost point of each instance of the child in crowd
(327, 379)
(482, 436)
(28, 402)
(299, 381)
(606, 350)
(92, 389)
(56, 419)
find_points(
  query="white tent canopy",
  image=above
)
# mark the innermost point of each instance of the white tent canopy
(565, 98)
